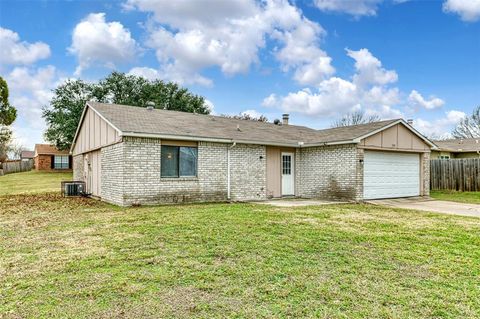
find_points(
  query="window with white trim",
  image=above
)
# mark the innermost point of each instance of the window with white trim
(178, 161)
(60, 162)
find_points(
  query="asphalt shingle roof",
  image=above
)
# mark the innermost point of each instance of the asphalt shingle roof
(27, 154)
(47, 149)
(131, 119)
(459, 145)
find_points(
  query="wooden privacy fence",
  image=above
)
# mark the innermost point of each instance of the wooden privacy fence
(15, 167)
(455, 174)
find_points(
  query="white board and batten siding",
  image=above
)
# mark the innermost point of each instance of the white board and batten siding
(94, 133)
(391, 175)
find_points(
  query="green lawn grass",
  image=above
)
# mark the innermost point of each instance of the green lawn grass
(461, 197)
(32, 182)
(80, 258)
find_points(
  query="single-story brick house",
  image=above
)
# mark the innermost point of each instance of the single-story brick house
(129, 155)
(48, 158)
(457, 148)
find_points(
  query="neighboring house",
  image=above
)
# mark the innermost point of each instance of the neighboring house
(27, 155)
(130, 155)
(457, 148)
(49, 158)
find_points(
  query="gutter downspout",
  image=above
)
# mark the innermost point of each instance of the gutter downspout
(228, 170)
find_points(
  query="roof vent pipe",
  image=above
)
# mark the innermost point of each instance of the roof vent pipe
(285, 118)
(150, 105)
(410, 122)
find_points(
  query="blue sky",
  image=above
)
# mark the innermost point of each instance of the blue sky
(316, 60)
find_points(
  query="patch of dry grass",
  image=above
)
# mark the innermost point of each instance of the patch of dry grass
(80, 258)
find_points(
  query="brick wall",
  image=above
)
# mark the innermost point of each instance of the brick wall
(43, 162)
(359, 174)
(138, 179)
(131, 173)
(328, 172)
(78, 168)
(248, 172)
(425, 162)
(112, 179)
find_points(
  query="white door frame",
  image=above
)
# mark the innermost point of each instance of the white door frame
(292, 173)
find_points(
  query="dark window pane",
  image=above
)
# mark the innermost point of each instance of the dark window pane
(286, 165)
(188, 161)
(60, 162)
(169, 164)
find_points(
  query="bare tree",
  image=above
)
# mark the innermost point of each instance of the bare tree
(355, 118)
(15, 150)
(468, 127)
(246, 116)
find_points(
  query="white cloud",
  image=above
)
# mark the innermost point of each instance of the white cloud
(334, 95)
(147, 73)
(191, 37)
(270, 101)
(352, 7)
(417, 100)
(95, 41)
(369, 69)
(252, 113)
(15, 52)
(367, 91)
(210, 106)
(439, 128)
(385, 112)
(30, 90)
(468, 10)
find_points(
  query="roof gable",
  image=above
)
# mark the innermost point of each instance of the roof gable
(93, 131)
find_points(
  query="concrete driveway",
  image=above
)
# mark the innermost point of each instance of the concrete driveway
(431, 205)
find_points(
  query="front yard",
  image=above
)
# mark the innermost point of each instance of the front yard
(80, 258)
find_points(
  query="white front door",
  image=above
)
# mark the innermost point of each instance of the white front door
(391, 174)
(287, 174)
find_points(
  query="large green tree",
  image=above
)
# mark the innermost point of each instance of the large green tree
(65, 109)
(8, 114)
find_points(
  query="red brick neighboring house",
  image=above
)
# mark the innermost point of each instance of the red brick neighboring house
(49, 158)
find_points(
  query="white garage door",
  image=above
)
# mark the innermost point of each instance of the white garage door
(391, 174)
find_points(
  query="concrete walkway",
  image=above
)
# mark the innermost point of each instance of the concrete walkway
(431, 205)
(294, 202)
